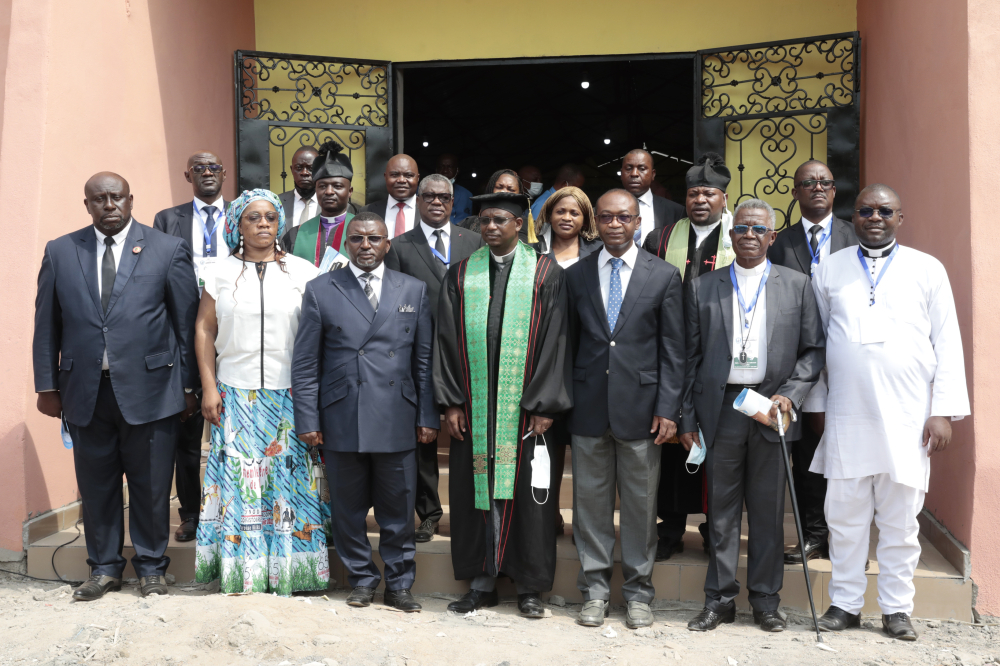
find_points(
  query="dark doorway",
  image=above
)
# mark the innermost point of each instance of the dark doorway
(508, 115)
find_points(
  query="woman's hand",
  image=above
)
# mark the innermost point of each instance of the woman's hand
(211, 406)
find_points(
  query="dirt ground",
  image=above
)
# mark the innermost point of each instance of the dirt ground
(40, 624)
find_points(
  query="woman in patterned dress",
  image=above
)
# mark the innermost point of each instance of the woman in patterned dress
(263, 525)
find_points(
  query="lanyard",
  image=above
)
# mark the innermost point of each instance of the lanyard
(446, 260)
(821, 241)
(885, 266)
(753, 304)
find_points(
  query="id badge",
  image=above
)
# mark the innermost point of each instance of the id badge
(749, 364)
(201, 268)
(874, 326)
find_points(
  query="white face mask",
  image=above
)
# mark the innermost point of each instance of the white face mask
(697, 455)
(534, 189)
(541, 475)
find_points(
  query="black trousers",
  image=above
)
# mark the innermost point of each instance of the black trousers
(810, 488)
(187, 474)
(743, 466)
(428, 502)
(102, 452)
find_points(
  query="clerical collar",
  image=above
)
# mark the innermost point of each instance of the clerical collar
(327, 221)
(505, 259)
(880, 252)
(747, 272)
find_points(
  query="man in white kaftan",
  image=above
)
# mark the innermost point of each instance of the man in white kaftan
(896, 376)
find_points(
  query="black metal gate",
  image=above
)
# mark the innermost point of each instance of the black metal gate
(767, 108)
(284, 102)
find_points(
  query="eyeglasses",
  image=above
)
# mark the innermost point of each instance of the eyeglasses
(809, 184)
(200, 168)
(758, 229)
(254, 218)
(867, 211)
(499, 220)
(429, 197)
(608, 218)
(372, 240)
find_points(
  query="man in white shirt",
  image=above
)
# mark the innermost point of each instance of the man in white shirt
(752, 325)
(896, 375)
(399, 209)
(657, 212)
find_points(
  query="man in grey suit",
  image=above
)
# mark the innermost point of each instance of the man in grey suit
(628, 371)
(754, 326)
(425, 252)
(361, 374)
(803, 247)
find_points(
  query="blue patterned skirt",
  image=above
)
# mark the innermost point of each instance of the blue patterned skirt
(263, 526)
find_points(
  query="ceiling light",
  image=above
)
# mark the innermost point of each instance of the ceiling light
(426, 144)
(607, 142)
(473, 174)
(585, 83)
(619, 173)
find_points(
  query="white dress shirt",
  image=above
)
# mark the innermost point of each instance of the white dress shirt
(409, 212)
(297, 207)
(375, 280)
(116, 252)
(647, 214)
(824, 224)
(749, 280)
(702, 232)
(200, 225)
(625, 272)
(429, 232)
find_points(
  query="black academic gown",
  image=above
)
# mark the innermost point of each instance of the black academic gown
(516, 538)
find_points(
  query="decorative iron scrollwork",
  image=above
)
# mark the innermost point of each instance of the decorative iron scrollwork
(780, 78)
(284, 88)
(291, 138)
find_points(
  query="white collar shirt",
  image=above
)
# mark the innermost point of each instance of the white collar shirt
(703, 232)
(308, 206)
(748, 340)
(409, 213)
(429, 234)
(824, 225)
(375, 280)
(116, 251)
(647, 214)
(625, 272)
(201, 224)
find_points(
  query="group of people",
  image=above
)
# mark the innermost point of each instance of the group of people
(329, 345)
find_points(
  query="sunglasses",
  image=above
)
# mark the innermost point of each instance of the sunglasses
(200, 168)
(372, 240)
(608, 218)
(429, 197)
(254, 218)
(809, 184)
(867, 211)
(499, 220)
(758, 229)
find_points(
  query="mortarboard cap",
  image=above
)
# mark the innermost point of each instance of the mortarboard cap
(710, 171)
(516, 204)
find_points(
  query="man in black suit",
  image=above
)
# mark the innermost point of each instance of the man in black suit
(656, 212)
(802, 248)
(752, 325)
(113, 354)
(300, 202)
(200, 223)
(399, 210)
(628, 371)
(425, 252)
(361, 374)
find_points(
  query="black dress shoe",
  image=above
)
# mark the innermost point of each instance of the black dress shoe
(361, 597)
(667, 549)
(530, 605)
(816, 548)
(474, 599)
(837, 619)
(769, 620)
(188, 530)
(898, 626)
(426, 531)
(96, 587)
(402, 600)
(153, 585)
(707, 619)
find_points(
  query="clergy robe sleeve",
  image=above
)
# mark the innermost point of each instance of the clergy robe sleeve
(811, 350)
(48, 328)
(548, 392)
(449, 346)
(307, 365)
(950, 394)
(182, 299)
(692, 328)
(671, 351)
(423, 343)
(652, 241)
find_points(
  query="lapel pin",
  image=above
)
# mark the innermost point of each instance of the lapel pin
(136, 250)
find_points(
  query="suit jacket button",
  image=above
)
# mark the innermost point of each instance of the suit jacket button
(392, 382)
(407, 329)
(391, 354)
(722, 387)
(612, 343)
(338, 329)
(607, 372)
(359, 382)
(361, 353)
(105, 329)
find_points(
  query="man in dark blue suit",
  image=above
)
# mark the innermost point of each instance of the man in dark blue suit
(361, 377)
(114, 355)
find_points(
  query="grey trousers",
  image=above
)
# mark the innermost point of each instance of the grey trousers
(743, 466)
(600, 466)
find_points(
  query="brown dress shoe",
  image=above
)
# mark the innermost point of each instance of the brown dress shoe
(96, 587)
(187, 530)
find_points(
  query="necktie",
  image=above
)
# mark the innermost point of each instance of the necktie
(210, 248)
(615, 292)
(306, 210)
(439, 244)
(400, 221)
(369, 292)
(637, 237)
(815, 232)
(108, 272)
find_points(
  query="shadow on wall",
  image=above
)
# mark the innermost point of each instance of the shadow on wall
(36, 494)
(193, 44)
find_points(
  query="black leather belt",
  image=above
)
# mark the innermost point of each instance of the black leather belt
(737, 388)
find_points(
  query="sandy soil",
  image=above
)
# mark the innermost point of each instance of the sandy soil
(40, 624)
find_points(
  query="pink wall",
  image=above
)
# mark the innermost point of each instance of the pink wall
(131, 86)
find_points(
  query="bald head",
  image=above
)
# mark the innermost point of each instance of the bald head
(402, 177)
(109, 201)
(879, 189)
(878, 213)
(206, 175)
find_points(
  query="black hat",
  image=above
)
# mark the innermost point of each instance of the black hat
(332, 163)
(710, 171)
(516, 204)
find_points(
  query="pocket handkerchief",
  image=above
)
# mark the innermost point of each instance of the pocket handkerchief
(406, 308)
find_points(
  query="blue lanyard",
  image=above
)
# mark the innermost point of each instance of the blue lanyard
(823, 238)
(445, 260)
(209, 233)
(739, 294)
(864, 267)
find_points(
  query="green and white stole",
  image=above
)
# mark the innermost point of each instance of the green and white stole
(677, 247)
(510, 379)
(307, 240)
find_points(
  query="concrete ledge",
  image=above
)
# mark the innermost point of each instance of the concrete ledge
(950, 548)
(51, 522)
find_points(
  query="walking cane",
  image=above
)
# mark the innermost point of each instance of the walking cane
(798, 523)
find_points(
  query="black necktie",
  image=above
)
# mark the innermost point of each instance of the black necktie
(210, 249)
(439, 244)
(815, 231)
(108, 272)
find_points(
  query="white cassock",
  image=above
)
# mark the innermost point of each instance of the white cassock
(890, 366)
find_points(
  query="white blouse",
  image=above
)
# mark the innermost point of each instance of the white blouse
(249, 355)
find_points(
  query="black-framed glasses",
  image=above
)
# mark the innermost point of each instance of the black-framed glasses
(608, 218)
(867, 211)
(809, 183)
(758, 229)
(254, 218)
(372, 240)
(429, 197)
(498, 220)
(200, 168)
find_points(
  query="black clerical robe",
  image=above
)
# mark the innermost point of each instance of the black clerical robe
(516, 537)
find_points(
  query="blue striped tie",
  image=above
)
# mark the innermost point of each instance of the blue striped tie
(615, 292)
